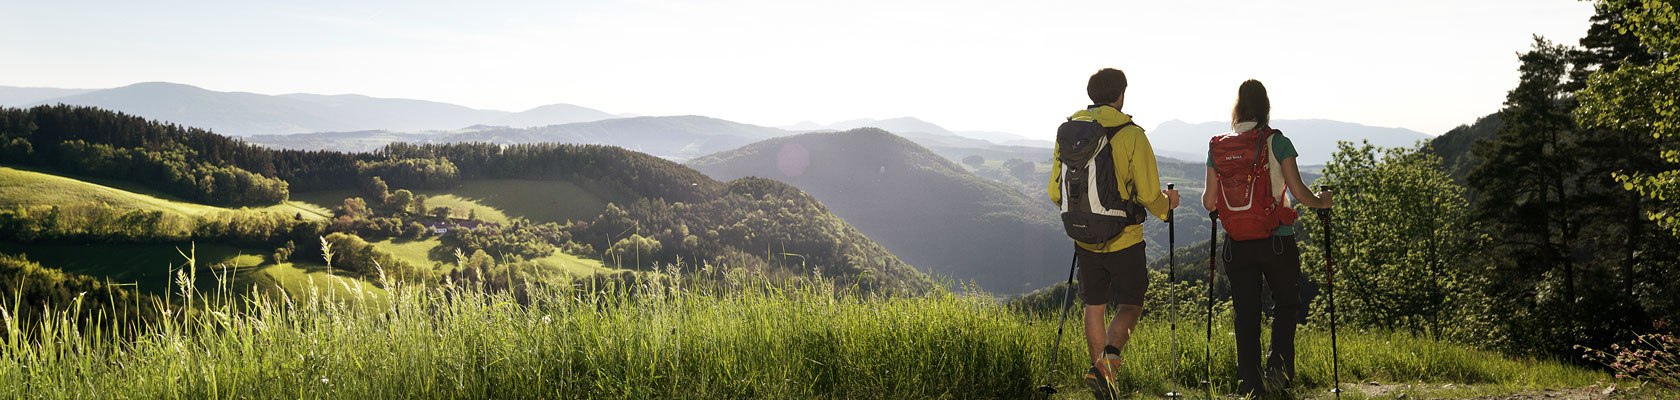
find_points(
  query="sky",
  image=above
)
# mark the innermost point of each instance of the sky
(1012, 66)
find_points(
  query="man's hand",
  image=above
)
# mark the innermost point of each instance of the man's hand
(1172, 197)
(1325, 199)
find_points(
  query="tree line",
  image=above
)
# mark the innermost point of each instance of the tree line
(1540, 228)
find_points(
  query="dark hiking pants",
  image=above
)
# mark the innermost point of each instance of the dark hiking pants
(1277, 263)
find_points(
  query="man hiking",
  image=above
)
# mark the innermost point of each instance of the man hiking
(1104, 179)
(1248, 171)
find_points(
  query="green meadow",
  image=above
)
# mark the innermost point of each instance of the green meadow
(755, 340)
(496, 200)
(21, 186)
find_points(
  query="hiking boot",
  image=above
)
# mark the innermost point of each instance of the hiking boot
(1277, 380)
(1111, 364)
(1095, 380)
(1111, 361)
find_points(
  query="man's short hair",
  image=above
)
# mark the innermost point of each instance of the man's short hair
(1106, 86)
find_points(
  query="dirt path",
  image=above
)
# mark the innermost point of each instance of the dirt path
(1422, 391)
(1451, 391)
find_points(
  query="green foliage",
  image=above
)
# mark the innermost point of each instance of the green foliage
(164, 147)
(520, 240)
(16, 150)
(400, 203)
(1644, 99)
(171, 170)
(32, 293)
(632, 246)
(1650, 358)
(762, 225)
(413, 173)
(1571, 258)
(350, 253)
(284, 253)
(974, 160)
(1455, 145)
(614, 173)
(1403, 240)
(1022, 170)
(1528, 187)
(353, 207)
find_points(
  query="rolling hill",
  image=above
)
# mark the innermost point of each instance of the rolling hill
(1315, 139)
(147, 264)
(1454, 146)
(21, 186)
(923, 207)
(244, 114)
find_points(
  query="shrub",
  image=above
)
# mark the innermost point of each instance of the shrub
(1648, 358)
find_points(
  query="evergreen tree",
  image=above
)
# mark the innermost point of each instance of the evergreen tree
(1523, 181)
(1633, 102)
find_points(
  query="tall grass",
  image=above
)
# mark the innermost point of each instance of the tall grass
(757, 340)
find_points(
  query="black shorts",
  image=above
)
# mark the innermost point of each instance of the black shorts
(1120, 277)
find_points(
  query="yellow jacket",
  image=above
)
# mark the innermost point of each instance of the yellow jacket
(1134, 163)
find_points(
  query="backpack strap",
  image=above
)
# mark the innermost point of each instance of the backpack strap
(1116, 130)
(1130, 184)
(1261, 150)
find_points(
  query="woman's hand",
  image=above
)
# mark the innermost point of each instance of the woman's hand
(1172, 197)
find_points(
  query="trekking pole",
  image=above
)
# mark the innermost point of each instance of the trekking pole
(1213, 253)
(1049, 388)
(1172, 291)
(1330, 292)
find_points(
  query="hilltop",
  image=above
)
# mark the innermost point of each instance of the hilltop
(923, 207)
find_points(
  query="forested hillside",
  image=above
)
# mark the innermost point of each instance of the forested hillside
(1454, 146)
(675, 214)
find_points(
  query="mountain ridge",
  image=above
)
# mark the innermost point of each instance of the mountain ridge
(921, 205)
(248, 114)
(1314, 139)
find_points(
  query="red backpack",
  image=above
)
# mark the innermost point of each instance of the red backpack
(1247, 206)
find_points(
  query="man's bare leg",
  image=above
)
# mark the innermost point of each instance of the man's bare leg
(1120, 330)
(1095, 336)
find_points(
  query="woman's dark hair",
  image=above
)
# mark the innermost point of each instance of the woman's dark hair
(1252, 104)
(1106, 86)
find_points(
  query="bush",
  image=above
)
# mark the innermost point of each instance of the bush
(1648, 358)
(350, 253)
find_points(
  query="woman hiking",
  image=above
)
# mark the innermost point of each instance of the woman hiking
(1248, 171)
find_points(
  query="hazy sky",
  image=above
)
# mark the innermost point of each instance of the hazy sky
(1016, 66)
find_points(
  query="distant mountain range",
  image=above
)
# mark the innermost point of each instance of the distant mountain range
(671, 137)
(1314, 139)
(674, 138)
(357, 122)
(17, 96)
(245, 114)
(911, 126)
